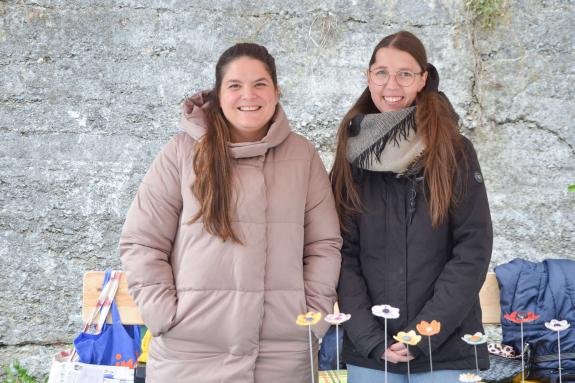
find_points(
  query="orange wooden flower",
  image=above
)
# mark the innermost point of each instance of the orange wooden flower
(428, 329)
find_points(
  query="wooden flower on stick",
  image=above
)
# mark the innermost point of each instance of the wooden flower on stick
(474, 340)
(558, 326)
(386, 312)
(408, 339)
(429, 329)
(308, 319)
(337, 319)
(521, 317)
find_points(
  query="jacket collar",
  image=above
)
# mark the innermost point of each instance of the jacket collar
(194, 123)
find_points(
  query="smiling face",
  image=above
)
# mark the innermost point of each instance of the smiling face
(391, 96)
(248, 98)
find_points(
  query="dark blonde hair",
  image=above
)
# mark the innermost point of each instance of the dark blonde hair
(435, 118)
(212, 161)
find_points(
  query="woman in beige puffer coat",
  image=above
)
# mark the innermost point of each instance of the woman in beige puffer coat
(220, 288)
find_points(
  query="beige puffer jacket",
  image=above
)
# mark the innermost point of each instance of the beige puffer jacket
(220, 311)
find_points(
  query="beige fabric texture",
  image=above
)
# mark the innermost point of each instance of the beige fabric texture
(397, 158)
(221, 311)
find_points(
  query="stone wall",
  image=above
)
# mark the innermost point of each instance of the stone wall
(90, 91)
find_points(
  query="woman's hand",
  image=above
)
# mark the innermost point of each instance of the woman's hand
(396, 353)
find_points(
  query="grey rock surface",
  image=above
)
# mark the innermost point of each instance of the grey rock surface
(90, 91)
(527, 143)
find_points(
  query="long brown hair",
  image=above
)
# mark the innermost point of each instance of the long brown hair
(435, 118)
(212, 161)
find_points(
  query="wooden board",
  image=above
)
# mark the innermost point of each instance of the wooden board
(489, 297)
(92, 288)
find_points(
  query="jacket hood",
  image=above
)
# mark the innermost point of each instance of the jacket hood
(193, 122)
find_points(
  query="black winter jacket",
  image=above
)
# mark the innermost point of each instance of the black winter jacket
(392, 255)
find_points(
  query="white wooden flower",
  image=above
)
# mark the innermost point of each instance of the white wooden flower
(337, 319)
(385, 311)
(469, 378)
(557, 325)
(475, 339)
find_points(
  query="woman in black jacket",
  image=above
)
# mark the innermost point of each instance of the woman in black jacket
(416, 221)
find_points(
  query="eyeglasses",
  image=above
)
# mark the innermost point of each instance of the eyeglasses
(404, 78)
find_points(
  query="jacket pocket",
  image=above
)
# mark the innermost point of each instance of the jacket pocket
(279, 327)
(212, 321)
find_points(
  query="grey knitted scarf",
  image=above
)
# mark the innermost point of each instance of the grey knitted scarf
(385, 141)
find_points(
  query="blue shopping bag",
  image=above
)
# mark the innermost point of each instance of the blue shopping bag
(115, 345)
